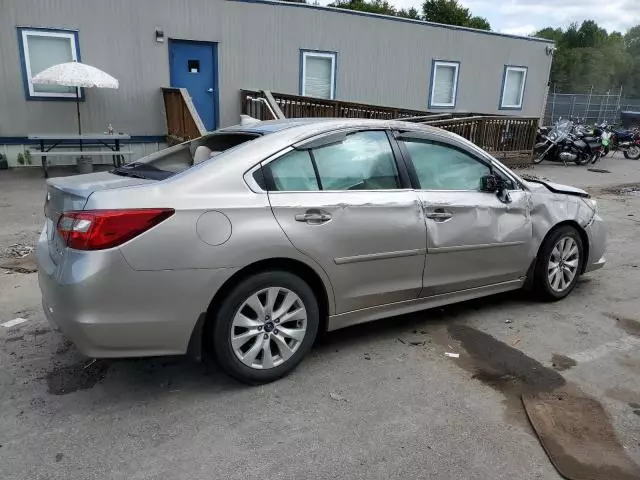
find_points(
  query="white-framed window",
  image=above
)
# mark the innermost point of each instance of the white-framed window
(444, 84)
(41, 48)
(513, 82)
(318, 74)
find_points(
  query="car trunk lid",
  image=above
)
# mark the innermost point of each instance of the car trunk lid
(65, 194)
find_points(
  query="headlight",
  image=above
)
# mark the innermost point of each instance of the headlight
(591, 203)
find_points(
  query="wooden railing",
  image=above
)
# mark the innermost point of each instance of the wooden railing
(296, 106)
(183, 121)
(510, 139)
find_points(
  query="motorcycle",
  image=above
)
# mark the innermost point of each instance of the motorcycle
(626, 141)
(566, 143)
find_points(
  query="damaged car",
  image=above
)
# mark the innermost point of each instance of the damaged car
(246, 243)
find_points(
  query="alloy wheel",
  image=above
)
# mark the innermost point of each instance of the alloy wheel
(563, 264)
(268, 328)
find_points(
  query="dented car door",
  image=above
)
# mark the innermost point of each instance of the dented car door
(342, 203)
(474, 238)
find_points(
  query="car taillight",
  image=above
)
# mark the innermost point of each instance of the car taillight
(100, 229)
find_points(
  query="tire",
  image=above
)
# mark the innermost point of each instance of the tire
(544, 280)
(265, 359)
(537, 159)
(633, 153)
(583, 160)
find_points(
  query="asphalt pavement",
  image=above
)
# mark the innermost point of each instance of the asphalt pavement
(375, 401)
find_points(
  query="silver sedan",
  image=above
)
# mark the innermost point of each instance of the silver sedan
(247, 242)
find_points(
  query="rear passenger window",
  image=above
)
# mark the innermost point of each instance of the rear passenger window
(363, 161)
(293, 172)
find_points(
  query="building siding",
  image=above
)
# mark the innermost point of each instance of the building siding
(380, 61)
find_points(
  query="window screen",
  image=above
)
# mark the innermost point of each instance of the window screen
(318, 74)
(445, 78)
(43, 49)
(513, 87)
(443, 167)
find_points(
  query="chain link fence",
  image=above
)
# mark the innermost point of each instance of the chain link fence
(589, 107)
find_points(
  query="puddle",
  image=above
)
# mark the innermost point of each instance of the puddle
(81, 376)
(629, 325)
(573, 428)
(496, 358)
(562, 362)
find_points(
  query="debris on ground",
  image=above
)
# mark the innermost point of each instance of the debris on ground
(14, 322)
(516, 342)
(508, 321)
(366, 356)
(598, 170)
(337, 397)
(417, 343)
(401, 340)
(17, 250)
(25, 264)
(452, 355)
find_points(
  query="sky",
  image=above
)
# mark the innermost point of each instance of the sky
(523, 17)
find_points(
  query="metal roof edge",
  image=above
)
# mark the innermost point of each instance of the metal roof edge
(397, 19)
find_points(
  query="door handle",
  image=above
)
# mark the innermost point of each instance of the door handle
(313, 217)
(439, 215)
(210, 90)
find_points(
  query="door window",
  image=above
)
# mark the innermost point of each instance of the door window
(363, 161)
(444, 167)
(293, 172)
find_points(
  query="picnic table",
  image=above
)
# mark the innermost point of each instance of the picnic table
(50, 141)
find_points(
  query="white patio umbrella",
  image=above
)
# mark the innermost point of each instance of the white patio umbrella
(78, 75)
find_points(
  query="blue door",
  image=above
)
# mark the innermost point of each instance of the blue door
(194, 66)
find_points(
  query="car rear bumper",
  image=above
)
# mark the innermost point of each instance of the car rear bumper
(107, 309)
(597, 234)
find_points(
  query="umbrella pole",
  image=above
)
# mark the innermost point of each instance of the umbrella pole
(78, 112)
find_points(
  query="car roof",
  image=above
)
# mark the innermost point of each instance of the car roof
(271, 126)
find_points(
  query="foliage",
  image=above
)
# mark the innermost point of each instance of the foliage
(440, 11)
(587, 56)
(25, 158)
(450, 12)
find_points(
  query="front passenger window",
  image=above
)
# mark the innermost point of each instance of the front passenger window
(444, 167)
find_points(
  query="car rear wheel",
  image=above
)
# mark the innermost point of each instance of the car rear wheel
(265, 327)
(559, 264)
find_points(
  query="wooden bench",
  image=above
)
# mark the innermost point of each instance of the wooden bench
(115, 154)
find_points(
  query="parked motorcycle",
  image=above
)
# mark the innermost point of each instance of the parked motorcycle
(626, 141)
(566, 143)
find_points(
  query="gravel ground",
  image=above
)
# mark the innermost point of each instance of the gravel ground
(374, 401)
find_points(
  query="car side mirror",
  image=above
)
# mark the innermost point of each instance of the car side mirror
(489, 183)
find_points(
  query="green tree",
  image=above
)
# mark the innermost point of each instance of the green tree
(480, 23)
(450, 12)
(587, 56)
(382, 7)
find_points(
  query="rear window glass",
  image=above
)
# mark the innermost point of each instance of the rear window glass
(177, 159)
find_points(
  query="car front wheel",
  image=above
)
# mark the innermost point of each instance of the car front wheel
(559, 264)
(265, 327)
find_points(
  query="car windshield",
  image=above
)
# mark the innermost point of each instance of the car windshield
(178, 158)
